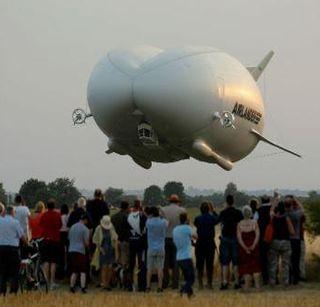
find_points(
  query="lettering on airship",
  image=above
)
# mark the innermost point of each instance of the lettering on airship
(247, 113)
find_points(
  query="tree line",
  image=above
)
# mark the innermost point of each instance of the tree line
(64, 191)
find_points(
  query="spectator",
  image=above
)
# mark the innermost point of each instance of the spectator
(122, 227)
(156, 234)
(205, 245)
(296, 215)
(34, 221)
(280, 248)
(77, 212)
(182, 237)
(171, 213)
(79, 241)
(11, 233)
(106, 240)
(137, 244)
(22, 214)
(97, 209)
(249, 260)
(51, 225)
(229, 219)
(263, 221)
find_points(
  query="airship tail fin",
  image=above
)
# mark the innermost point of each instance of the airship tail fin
(258, 70)
(263, 139)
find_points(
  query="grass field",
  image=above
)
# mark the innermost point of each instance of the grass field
(306, 296)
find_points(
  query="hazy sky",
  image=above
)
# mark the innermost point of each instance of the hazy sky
(48, 49)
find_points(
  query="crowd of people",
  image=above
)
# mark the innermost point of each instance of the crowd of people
(263, 243)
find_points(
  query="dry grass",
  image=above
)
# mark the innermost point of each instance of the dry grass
(299, 297)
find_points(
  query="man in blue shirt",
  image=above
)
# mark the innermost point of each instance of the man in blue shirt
(10, 235)
(205, 246)
(156, 233)
(182, 238)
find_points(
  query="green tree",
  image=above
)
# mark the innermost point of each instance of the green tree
(153, 196)
(113, 196)
(3, 195)
(63, 191)
(173, 187)
(34, 190)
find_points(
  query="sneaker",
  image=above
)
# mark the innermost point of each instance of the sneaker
(83, 290)
(72, 290)
(224, 286)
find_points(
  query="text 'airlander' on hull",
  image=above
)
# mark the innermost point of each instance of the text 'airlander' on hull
(168, 105)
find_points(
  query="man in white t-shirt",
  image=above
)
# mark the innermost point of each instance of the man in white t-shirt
(22, 214)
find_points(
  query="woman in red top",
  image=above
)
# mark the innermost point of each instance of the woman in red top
(51, 225)
(248, 235)
(34, 221)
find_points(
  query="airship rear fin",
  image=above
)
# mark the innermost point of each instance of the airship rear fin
(263, 139)
(258, 70)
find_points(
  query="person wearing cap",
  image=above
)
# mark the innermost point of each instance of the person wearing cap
(78, 242)
(172, 214)
(106, 240)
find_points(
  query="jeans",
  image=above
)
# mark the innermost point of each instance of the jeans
(137, 252)
(205, 257)
(9, 269)
(187, 269)
(264, 251)
(295, 260)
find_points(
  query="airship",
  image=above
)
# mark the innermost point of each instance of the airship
(164, 106)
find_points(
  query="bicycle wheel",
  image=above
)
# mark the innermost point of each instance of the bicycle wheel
(42, 284)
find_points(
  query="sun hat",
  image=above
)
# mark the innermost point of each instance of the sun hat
(106, 222)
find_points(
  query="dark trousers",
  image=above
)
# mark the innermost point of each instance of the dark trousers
(9, 269)
(264, 262)
(295, 260)
(137, 253)
(187, 269)
(170, 263)
(205, 257)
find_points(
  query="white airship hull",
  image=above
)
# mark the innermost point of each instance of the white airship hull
(178, 92)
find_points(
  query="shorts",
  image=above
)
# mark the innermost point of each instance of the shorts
(78, 262)
(229, 251)
(50, 251)
(155, 260)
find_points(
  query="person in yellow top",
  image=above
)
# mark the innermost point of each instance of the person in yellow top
(106, 240)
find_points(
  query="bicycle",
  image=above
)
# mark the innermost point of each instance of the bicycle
(31, 275)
